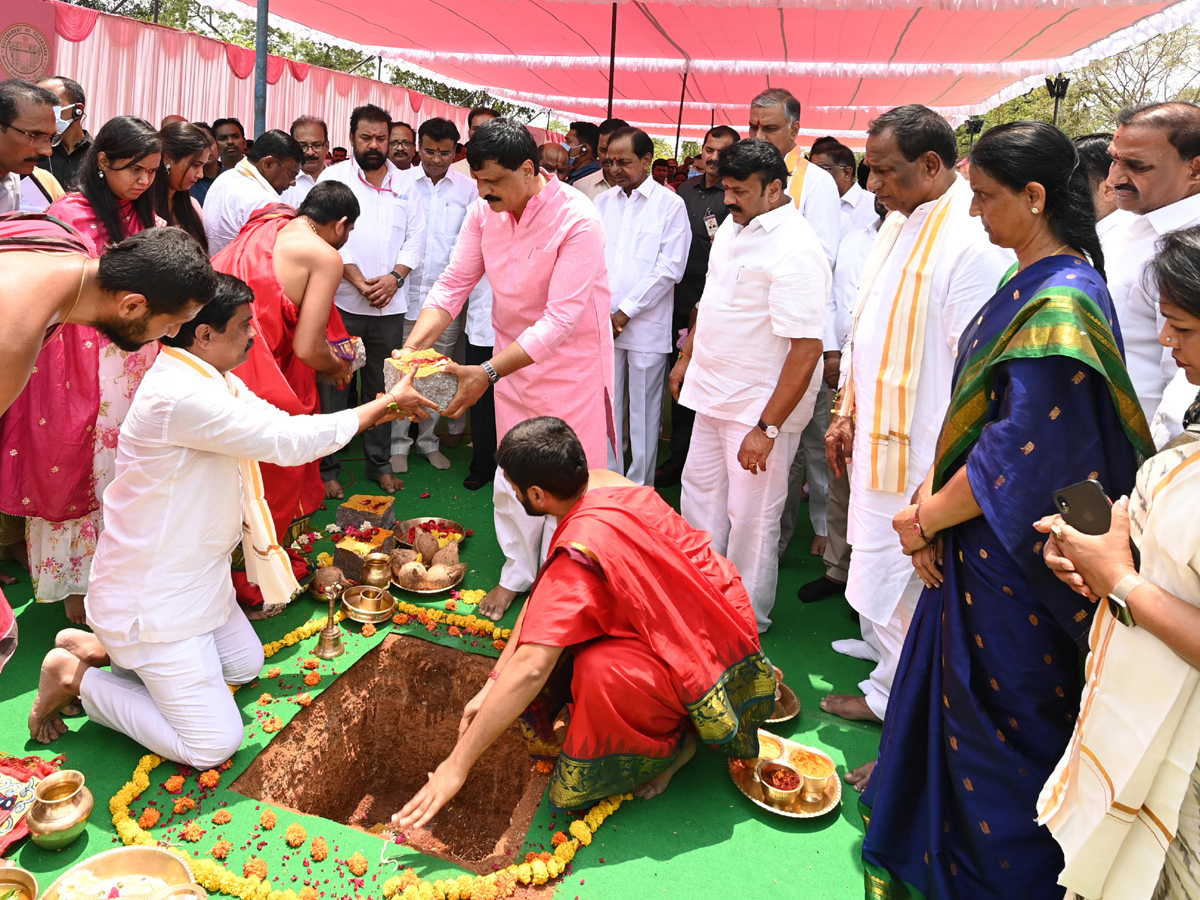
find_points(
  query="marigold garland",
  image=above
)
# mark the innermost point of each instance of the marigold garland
(296, 635)
(471, 625)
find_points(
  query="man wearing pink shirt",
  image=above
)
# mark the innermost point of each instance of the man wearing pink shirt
(542, 249)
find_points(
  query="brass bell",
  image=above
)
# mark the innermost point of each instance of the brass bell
(330, 644)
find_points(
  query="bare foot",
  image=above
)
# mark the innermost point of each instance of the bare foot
(72, 710)
(7, 579)
(391, 483)
(497, 602)
(849, 706)
(17, 553)
(258, 613)
(333, 490)
(73, 607)
(57, 686)
(858, 778)
(658, 783)
(820, 542)
(83, 645)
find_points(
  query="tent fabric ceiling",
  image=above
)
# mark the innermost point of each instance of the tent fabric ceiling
(846, 60)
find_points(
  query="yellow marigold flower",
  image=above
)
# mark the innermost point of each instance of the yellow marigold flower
(410, 893)
(540, 875)
(295, 835)
(255, 867)
(174, 784)
(425, 890)
(319, 850)
(554, 867)
(183, 804)
(149, 817)
(357, 864)
(192, 832)
(268, 819)
(221, 849)
(484, 889)
(525, 873)
(389, 887)
(222, 817)
(581, 832)
(309, 893)
(452, 892)
(566, 852)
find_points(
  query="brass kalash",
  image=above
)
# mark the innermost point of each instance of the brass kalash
(330, 644)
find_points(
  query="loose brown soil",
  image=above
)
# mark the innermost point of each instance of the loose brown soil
(367, 744)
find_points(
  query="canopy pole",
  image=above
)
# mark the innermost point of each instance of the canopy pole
(260, 69)
(679, 124)
(612, 59)
(713, 120)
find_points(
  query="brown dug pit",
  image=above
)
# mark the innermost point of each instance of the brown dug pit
(368, 742)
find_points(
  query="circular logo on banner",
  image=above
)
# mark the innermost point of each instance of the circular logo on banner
(24, 52)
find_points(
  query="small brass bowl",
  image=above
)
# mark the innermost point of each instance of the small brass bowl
(149, 861)
(766, 768)
(367, 604)
(25, 884)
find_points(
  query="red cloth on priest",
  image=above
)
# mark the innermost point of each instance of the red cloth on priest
(663, 638)
(273, 371)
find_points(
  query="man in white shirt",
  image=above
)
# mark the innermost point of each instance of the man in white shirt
(387, 244)
(161, 600)
(750, 366)
(476, 117)
(1093, 155)
(775, 117)
(647, 236)
(598, 182)
(31, 113)
(1155, 173)
(268, 169)
(857, 204)
(402, 143)
(312, 134)
(911, 151)
(444, 195)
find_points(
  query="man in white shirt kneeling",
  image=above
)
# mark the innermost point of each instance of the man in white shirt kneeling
(161, 602)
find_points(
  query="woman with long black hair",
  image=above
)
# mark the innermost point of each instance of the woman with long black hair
(185, 152)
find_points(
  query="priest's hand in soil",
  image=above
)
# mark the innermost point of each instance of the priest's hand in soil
(437, 792)
(472, 384)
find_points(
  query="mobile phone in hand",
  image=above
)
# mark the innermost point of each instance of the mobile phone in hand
(1085, 506)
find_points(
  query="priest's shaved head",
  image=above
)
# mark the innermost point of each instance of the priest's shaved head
(544, 454)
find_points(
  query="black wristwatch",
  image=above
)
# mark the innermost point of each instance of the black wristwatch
(399, 278)
(771, 431)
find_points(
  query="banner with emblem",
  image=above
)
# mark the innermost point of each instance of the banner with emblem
(26, 40)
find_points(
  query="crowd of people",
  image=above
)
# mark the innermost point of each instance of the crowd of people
(923, 349)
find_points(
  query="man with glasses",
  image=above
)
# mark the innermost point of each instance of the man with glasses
(402, 141)
(387, 244)
(857, 204)
(63, 163)
(313, 137)
(445, 196)
(27, 133)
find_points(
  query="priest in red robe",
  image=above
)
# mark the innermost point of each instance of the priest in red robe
(291, 261)
(652, 627)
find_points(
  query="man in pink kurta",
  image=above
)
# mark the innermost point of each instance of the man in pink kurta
(541, 246)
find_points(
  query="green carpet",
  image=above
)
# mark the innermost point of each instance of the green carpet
(701, 839)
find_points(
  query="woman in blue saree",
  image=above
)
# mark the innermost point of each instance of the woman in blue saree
(988, 683)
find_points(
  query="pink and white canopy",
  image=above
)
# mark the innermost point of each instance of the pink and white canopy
(846, 60)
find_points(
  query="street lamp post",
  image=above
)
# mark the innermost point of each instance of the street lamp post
(974, 127)
(1057, 88)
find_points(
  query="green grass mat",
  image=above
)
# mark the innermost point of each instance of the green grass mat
(700, 839)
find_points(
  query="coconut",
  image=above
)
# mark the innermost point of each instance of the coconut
(440, 576)
(427, 545)
(412, 575)
(447, 556)
(400, 559)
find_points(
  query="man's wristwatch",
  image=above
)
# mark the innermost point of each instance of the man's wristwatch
(399, 278)
(492, 374)
(1118, 598)
(770, 431)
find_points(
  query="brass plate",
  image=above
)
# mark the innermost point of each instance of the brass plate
(402, 528)
(127, 861)
(786, 707)
(742, 771)
(370, 612)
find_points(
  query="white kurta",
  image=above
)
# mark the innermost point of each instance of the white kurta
(965, 275)
(295, 195)
(859, 205)
(235, 194)
(822, 207)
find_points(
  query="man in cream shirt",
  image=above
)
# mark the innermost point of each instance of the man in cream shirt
(911, 151)
(161, 602)
(750, 366)
(258, 179)
(647, 236)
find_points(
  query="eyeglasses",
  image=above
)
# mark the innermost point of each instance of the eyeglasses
(35, 137)
(832, 166)
(436, 154)
(315, 147)
(396, 145)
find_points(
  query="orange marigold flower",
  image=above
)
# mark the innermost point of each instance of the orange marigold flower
(312, 663)
(499, 645)
(357, 864)
(174, 784)
(431, 627)
(221, 849)
(451, 605)
(183, 804)
(312, 679)
(559, 838)
(304, 699)
(274, 672)
(222, 817)
(192, 832)
(268, 819)
(309, 893)
(266, 700)
(255, 868)
(544, 766)
(149, 817)
(368, 630)
(272, 724)
(399, 619)
(210, 779)
(225, 766)
(319, 850)
(295, 835)
(455, 632)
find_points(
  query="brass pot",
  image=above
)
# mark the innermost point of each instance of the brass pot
(60, 811)
(377, 570)
(25, 884)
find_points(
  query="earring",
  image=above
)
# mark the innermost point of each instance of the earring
(101, 171)
(1034, 210)
(168, 167)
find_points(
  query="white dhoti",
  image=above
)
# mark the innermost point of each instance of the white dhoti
(740, 509)
(887, 638)
(173, 697)
(639, 380)
(427, 441)
(523, 538)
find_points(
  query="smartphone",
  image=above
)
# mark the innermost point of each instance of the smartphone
(1085, 506)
